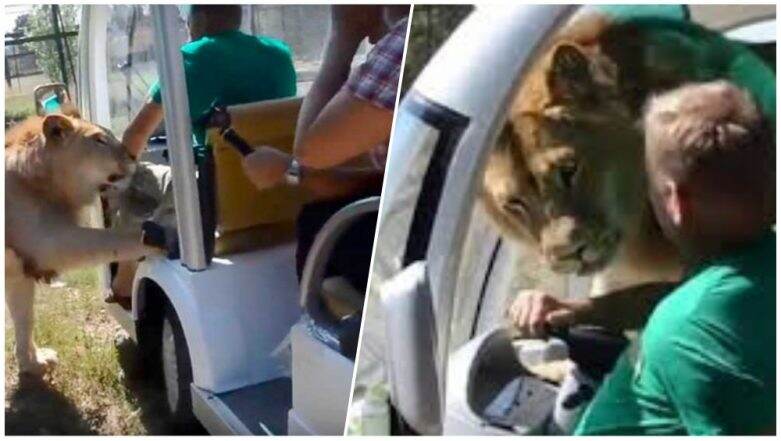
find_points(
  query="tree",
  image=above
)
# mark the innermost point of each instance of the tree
(39, 22)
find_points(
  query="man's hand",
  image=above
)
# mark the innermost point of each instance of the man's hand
(141, 128)
(266, 167)
(532, 310)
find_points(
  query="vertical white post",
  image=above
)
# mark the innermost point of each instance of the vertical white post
(93, 98)
(179, 133)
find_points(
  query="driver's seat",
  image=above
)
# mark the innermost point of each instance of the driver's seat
(324, 342)
(244, 217)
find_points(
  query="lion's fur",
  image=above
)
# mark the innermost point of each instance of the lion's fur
(36, 162)
(55, 167)
(574, 120)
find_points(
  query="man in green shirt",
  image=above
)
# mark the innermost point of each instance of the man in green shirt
(220, 62)
(705, 362)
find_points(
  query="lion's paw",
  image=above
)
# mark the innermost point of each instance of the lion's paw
(43, 361)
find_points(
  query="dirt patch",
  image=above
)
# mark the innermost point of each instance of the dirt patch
(95, 389)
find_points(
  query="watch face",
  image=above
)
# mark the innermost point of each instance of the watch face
(293, 173)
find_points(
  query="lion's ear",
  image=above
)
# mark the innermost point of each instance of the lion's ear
(57, 127)
(569, 77)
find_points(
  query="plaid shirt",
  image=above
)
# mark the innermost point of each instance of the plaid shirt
(377, 79)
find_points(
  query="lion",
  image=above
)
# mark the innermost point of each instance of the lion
(567, 174)
(55, 167)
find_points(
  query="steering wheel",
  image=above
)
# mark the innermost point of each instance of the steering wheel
(593, 349)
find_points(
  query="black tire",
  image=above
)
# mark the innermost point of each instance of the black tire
(177, 371)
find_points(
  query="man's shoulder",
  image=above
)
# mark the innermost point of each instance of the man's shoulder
(707, 307)
(193, 47)
(238, 39)
(272, 43)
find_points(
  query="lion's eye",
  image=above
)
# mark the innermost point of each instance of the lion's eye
(567, 174)
(516, 206)
(100, 140)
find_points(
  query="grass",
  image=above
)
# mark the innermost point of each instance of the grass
(19, 107)
(89, 391)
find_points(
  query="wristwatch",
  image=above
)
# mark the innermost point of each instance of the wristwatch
(293, 173)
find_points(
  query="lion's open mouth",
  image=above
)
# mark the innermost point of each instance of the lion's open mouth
(115, 184)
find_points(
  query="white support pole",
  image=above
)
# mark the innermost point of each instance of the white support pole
(179, 133)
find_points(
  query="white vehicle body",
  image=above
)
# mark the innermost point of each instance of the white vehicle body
(236, 312)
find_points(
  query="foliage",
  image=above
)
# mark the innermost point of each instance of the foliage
(39, 22)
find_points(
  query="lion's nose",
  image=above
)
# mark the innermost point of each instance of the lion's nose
(563, 238)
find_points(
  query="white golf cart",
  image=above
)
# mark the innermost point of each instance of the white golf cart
(219, 322)
(441, 276)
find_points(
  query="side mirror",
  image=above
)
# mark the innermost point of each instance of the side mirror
(409, 320)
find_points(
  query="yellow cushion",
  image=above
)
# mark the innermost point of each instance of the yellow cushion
(239, 204)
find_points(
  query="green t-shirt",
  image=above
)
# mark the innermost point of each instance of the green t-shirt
(706, 55)
(235, 68)
(705, 363)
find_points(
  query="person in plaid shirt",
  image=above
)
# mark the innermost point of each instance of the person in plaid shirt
(345, 120)
(343, 130)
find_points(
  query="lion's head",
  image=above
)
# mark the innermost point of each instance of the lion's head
(567, 173)
(73, 157)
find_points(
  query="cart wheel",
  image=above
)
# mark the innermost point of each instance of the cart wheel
(177, 371)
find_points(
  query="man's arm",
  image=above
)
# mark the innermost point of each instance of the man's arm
(266, 168)
(621, 310)
(142, 127)
(343, 41)
(626, 309)
(346, 128)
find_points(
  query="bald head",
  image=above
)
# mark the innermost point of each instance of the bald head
(711, 156)
(213, 19)
(709, 131)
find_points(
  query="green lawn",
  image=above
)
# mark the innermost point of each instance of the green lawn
(88, 392)
(19, 106)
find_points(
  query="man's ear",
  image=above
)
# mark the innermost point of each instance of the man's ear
(569, 76)
(57, 127)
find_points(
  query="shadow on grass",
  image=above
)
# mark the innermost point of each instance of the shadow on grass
(148, 391)
(35, 408)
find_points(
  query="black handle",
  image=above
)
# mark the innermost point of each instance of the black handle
(594, 350)
(236, 141)
(218, 117)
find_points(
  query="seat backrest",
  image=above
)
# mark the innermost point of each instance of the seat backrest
(239, 205)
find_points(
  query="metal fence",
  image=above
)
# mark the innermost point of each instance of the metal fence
(21, 61)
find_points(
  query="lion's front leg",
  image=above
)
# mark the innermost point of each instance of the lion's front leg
(19, 297)
(74, 247)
